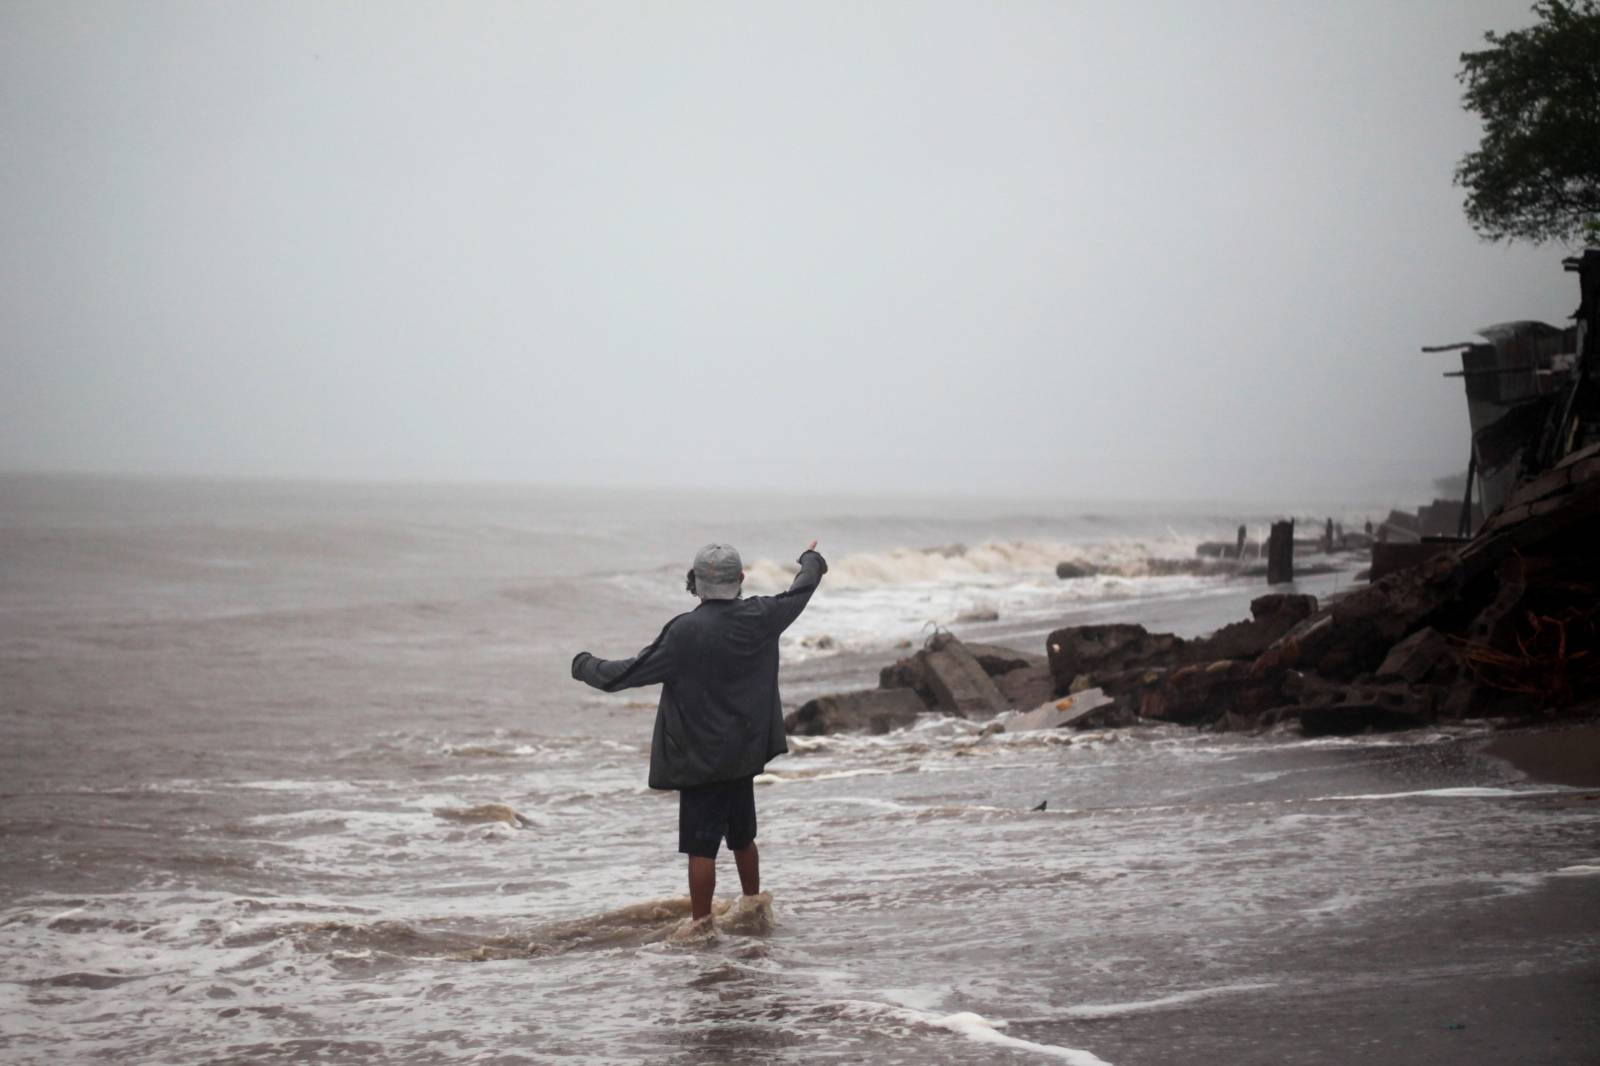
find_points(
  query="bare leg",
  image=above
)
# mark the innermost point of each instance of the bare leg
(749, 863)
(702, 883)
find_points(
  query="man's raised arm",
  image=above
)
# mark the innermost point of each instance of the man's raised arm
(785, 607)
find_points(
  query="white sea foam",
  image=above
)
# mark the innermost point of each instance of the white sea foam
(1583, 869)
(922, 999)
(1177, 999)
(207, 786)
(981, 1030)
(988, 563)
(289, 785)
(1446, 793)
(340, 820)
(771, 778)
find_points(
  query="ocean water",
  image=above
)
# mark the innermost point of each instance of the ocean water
(295, 772)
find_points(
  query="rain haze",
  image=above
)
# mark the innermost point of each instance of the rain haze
(376, 374)
(1062, 249)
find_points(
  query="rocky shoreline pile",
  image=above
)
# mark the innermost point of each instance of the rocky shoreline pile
(1505, 626)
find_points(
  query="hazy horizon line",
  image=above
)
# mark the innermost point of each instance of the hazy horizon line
(1359, 495)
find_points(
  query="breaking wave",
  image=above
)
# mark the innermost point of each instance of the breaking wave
(995, 563)
(231, 936)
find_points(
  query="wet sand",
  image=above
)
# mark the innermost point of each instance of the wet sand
(1457, 991)
(1561, 755)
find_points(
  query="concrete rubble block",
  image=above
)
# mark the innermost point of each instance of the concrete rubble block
(1115, 715)
(1339, 708)
(1470, 698)
(1028, 687)
(1236, 640)
(1351, 719)
(958, 681)
(997, 660)
(1354, 633)
(1205, 692)
(1092, 708)
(1310, 690)
(909, 673)
(1424, 655)
(1016, 674)
(1288, 607)
(1276, 716)
(1274, 615)
(1128, 688)
(1102, 650)
(873, 710)
(1236, 722)
(1057, 714)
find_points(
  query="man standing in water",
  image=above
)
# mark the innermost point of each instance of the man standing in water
(720, 718)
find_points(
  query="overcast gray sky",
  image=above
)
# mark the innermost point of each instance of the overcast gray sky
(1074, 249)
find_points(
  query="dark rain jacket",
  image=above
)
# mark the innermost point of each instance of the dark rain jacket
(720, 717)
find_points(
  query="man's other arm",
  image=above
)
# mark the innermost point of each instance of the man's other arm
(651, 666)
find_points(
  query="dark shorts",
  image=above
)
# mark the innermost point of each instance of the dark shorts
(710, 812)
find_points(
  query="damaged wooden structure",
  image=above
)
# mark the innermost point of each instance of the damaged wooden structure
(1530, 396)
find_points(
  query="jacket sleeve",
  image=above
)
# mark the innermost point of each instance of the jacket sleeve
(651, 666)
(781, 610)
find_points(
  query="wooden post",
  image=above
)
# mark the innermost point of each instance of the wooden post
(1238, 551)
(1464, 523)
(1280, 553)
(1327, 538)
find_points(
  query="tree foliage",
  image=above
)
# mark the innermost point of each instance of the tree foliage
(1536, 173)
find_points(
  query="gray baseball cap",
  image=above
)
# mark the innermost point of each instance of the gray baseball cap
(718, 572)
